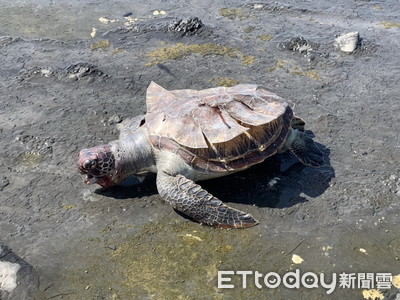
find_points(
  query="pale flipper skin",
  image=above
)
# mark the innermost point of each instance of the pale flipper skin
(305, 149)
(191, 199)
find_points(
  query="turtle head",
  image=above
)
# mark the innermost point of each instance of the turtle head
(110, 164)
(98, 164)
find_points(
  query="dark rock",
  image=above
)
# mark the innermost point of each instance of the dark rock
(187, 26)
(3, 183)
(26, 283)
(297, 44)
(79, 70)
(182, 26)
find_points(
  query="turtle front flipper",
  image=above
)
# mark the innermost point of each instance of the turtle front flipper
(192, 200)
(305, 149)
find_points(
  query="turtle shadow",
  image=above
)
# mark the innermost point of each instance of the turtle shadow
(278, 182)
(131, 188)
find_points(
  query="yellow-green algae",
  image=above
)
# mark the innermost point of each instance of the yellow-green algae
(181, 50)
(69, 206)
(293, 69)
(249, 29)
(311, 73)
(248, 60)
(175, 259)
(279, 65)
(265, 37)
(173, 262)
(172, 259)
(226, 81)
(377, 7)
(117, 50)
(232, 13)
(30, 159)
(100, 45)
(389, 25)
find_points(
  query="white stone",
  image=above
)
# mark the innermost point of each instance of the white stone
(45, 72)
(347, 42)
(8, 276)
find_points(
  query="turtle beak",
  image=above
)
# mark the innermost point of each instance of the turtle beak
(90, 179)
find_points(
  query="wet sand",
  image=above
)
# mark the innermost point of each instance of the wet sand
(66, 80)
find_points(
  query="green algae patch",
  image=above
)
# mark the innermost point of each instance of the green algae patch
(377, 7)
(181, 51)
(388, 25)
(232, 13)
(248, 60)
(30, 159)
(293, 69)
(271, 69)
(117, 50)
(226, 81)
(311, 73)
(265, 37)
(100, 45)
(281, 63)
(170, 259)
(69, 206)
(249, 29)
(175, 260)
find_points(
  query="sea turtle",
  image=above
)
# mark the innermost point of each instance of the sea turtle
(192, 135)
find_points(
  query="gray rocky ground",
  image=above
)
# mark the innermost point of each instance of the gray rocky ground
(63, 89)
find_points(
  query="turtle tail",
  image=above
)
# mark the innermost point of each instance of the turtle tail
(298, 123)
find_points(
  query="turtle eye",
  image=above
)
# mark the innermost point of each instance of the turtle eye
(90, 164)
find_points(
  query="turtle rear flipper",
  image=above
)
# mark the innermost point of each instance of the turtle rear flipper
(192, 200)
(305, 149)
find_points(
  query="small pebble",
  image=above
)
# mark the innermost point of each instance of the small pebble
(106, 20)
(93, 33)
(159, 12)
(112, 247)
(297, 259)
(45, 72)
(115, 119)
